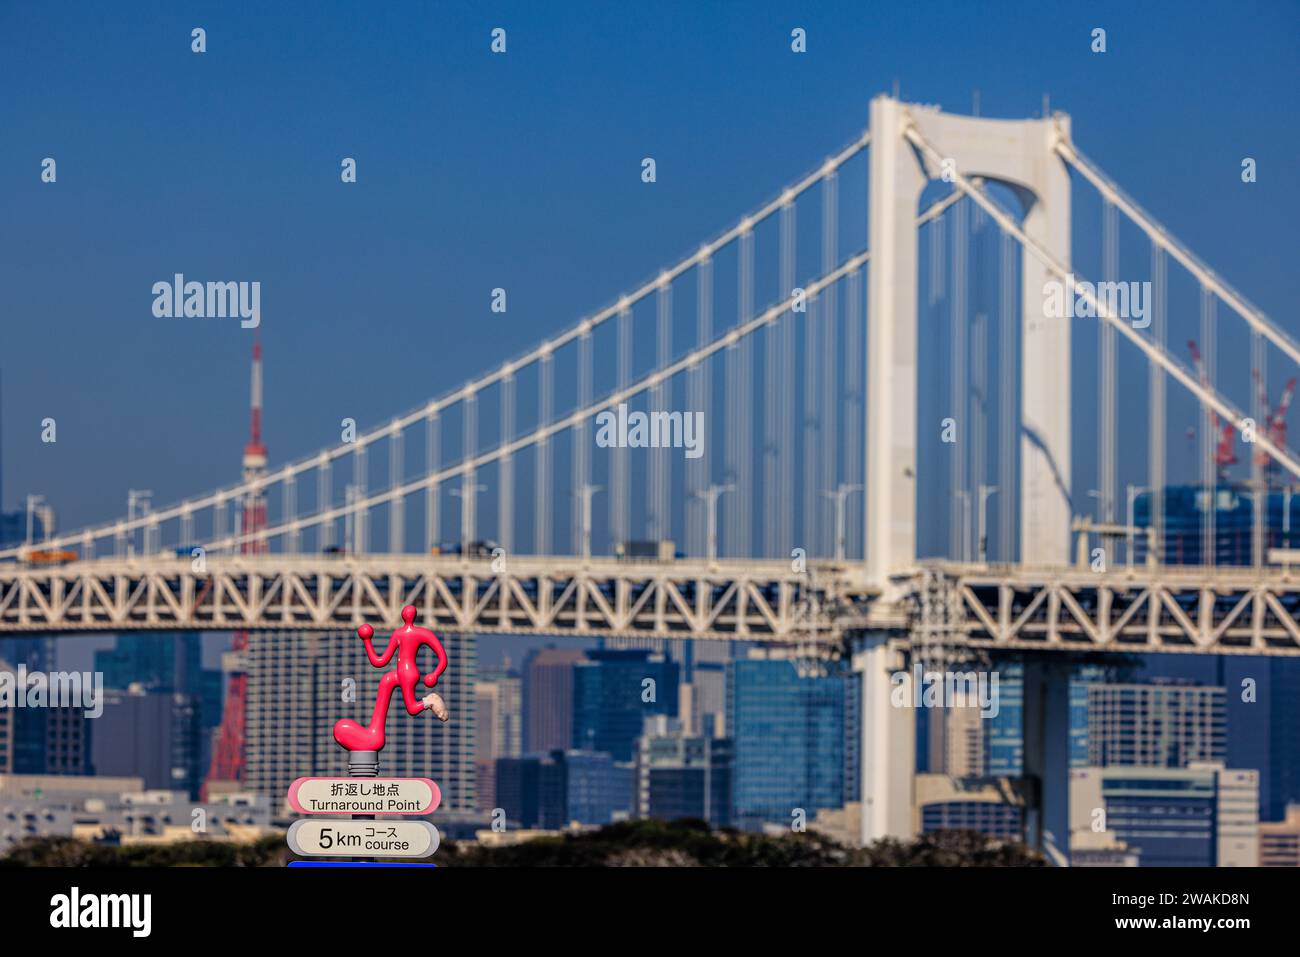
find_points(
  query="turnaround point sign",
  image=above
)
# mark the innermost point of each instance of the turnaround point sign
(364, 796)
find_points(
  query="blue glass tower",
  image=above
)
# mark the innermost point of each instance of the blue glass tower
(789, 740)
(1004, 735)
(609, 699)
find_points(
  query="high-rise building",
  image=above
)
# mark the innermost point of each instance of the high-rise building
(1185, 511)
(43, 740)
(564, 787)
(681, 775)
(51, 741)
(1083, 677)
(597, 789)
(1155, 725)
(958, 743)
(150, 734)
(167, 662)
(518, 789)
(1275, 708)
(299, 685)
(1197, 816)
(1004, 745)
(156, 661)
(499, 731)
(788, 732)
(706, 671)
(613, 692)
(548, 698)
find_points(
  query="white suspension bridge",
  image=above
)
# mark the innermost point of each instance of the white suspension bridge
(801, 525)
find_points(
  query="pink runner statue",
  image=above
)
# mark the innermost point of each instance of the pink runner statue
(406, 643)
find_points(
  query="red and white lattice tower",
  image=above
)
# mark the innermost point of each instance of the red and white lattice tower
(228, 755)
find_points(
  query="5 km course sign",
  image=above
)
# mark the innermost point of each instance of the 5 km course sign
(326, 838)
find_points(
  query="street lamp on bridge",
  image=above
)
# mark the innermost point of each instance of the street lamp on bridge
(711, 496)
(35, 502)
(466, 495)
(841, 493)
(586, 493)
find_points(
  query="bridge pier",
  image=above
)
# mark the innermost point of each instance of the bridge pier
(888, 757)
(1047, 755)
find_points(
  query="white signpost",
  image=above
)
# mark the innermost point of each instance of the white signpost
(343, 838)
(363, 794)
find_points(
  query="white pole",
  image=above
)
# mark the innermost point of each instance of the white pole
(710, 496)
(840, 495)
(32, 502)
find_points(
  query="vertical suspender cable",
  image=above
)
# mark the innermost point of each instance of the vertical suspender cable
(397, 507)
(620, 498)
(581, 452)
(660, 527)
(742, 524)
(853, 424)
(324, 498)
(432, 448)
(697, 476)
(1107, 379)
(469, 491)
(506, 467)
(360, 511)
(1209, 438)
(1260, 413)
(1157, 455)
(830, 438)
(785, 387)
(960, 358)
(543, 506)
(1008, 375)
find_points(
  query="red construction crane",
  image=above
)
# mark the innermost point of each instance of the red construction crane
(1274, 423)
(1225, 454)
(228, 759)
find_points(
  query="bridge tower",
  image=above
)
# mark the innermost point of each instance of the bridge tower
(228, 758)
(1019, 154)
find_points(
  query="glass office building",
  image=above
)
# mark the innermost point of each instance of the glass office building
(789, 739)
(614, 692)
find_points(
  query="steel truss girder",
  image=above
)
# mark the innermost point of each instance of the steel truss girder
(748, 601)
(1184, 609)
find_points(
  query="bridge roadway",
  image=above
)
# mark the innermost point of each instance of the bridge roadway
(525, 595)
(1185, 609)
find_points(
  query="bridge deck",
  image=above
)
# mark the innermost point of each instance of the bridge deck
(1171, 609)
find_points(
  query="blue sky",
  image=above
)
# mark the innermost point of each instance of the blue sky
(520, 171)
